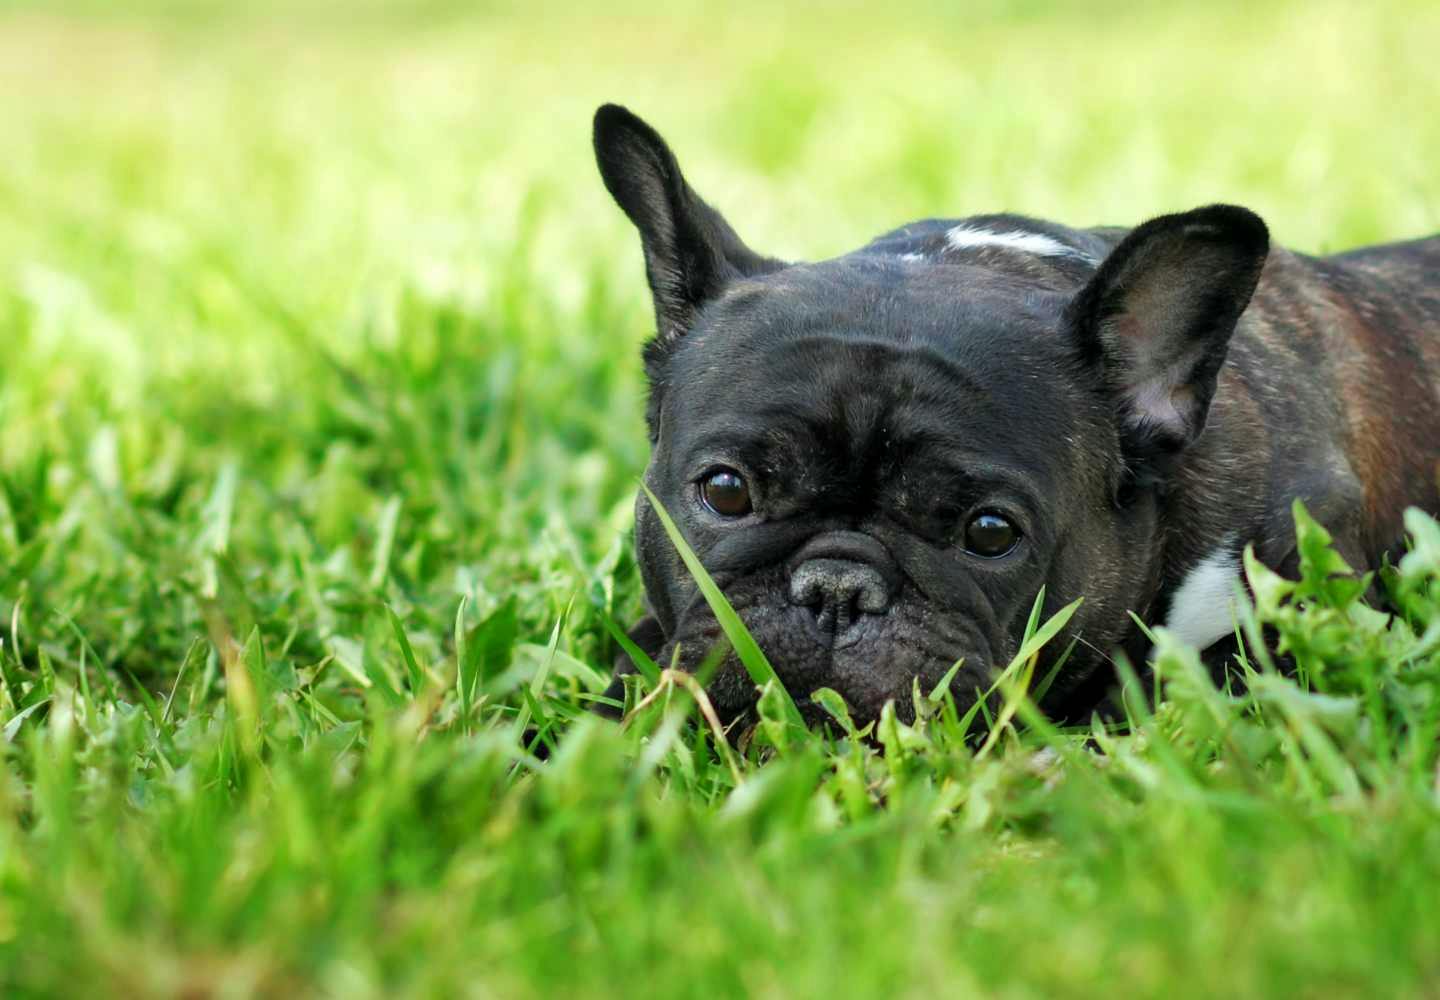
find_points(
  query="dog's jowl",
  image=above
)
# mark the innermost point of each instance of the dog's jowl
(882, 458)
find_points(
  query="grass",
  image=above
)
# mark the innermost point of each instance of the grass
(320, 425)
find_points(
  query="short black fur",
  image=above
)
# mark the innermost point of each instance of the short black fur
(1138, 406)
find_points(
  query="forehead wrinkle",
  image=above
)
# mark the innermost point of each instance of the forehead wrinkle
(847, 396)
(841, 349)
(817, 398)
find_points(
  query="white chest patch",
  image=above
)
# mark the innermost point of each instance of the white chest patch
(1202, 610)
(963, 237)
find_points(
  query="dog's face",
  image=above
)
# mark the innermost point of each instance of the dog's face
(880, 478)
(882, 461)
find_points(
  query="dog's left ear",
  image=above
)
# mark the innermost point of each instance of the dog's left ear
(1157, 318)
(690, 251)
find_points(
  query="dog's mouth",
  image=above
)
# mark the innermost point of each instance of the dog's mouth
(868, 657)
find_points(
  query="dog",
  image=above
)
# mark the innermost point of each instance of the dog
(883, 458)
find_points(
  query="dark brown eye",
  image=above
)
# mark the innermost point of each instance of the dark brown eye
(990, 535)
(724, 491)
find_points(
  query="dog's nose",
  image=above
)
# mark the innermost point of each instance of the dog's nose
(838, 592)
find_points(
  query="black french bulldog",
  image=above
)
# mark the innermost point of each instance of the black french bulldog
(883, 457)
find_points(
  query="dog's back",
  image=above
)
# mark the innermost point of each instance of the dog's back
(1342, 353)
(1403, 288)
(1393, 383)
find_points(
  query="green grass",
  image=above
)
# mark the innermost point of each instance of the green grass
(320, 425)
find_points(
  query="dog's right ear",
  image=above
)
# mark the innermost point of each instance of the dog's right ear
(691, 253)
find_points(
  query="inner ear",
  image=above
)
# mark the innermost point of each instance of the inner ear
(1157, 318)
(691, 253)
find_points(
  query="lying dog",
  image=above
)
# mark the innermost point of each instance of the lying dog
(883, 457)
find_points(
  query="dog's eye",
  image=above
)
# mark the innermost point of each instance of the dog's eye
(724, 491)
(990, 535)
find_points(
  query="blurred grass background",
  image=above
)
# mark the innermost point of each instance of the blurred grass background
(309, 306)
(223, 225)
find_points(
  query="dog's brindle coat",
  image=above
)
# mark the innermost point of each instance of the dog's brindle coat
(1059, 378)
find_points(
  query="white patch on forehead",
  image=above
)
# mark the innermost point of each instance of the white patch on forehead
(963, 237)
(1203, 606)
(912, 257)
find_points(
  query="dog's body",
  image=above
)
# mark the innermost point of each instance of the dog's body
(883, 457)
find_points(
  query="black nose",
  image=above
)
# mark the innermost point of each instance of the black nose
(838, 592)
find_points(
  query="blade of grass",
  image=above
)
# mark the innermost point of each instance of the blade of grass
(754, 660)
(384, 542)
(1015, 678)
(532, 704)
(412, 668)
(647, 667)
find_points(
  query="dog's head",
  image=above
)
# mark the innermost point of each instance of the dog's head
(882, 458)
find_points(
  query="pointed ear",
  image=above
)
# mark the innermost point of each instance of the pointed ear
(1157, 318)
(690, 251)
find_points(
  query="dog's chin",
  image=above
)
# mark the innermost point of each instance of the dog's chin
(877, 659)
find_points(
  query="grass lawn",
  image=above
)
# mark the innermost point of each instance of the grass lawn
(320, 424)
